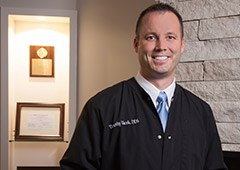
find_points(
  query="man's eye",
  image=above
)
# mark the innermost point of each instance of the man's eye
(171, 37)
(150, 37)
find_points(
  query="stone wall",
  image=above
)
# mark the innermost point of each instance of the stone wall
(210, 65)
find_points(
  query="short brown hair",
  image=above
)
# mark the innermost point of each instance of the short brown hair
(159, 7)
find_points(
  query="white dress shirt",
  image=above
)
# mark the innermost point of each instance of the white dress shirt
(153, 91)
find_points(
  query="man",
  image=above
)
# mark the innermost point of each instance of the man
(120, 128)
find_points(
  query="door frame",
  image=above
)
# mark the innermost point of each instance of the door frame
(4, 103)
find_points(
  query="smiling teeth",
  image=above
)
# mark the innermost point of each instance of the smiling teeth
(160, 57)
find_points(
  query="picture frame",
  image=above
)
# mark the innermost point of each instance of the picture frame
(41, 61)
(39, 122)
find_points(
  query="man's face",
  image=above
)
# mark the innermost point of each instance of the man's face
(159, 45)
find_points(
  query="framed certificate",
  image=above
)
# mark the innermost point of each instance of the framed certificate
(41, 61)
(39, 121)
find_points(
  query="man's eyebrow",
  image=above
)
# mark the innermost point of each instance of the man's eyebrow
(171, 33)
(150, 33)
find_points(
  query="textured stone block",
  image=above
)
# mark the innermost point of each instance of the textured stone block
(184, 0)
(202, 9)
(193, 51)
(189, 71)
(192, 10)
(220, 49)
(191, 30)
(231, 147)
(220, 91)
(225, 7)
(229, 132)
(226, 111)
(222, 69)
(219, 28)
(211, 50)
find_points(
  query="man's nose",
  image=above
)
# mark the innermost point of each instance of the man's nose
(161, 45)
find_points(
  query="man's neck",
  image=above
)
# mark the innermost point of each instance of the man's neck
(161, 82)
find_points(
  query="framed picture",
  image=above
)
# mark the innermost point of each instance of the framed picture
(41, 61)
(39, 121)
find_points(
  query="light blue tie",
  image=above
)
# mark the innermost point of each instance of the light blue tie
(162, 109)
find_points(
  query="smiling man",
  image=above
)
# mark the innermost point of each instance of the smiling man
(159, 44)
(148, 122)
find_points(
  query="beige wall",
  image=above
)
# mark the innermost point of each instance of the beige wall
(106, 54)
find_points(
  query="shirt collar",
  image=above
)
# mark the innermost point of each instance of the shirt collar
(153, 91)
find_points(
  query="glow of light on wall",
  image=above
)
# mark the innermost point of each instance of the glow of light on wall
(41, 18)
(42, 37)
(46, 34)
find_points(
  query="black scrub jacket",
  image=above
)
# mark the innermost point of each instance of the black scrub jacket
(119, 129)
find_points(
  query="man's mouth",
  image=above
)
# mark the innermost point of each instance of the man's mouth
(160, 57)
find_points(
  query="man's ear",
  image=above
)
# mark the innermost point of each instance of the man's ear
(183, 45)
(136, 44)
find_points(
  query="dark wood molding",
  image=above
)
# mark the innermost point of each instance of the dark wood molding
(232, 160)
(38, 168)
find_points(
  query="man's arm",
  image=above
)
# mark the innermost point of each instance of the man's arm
(84, 152)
